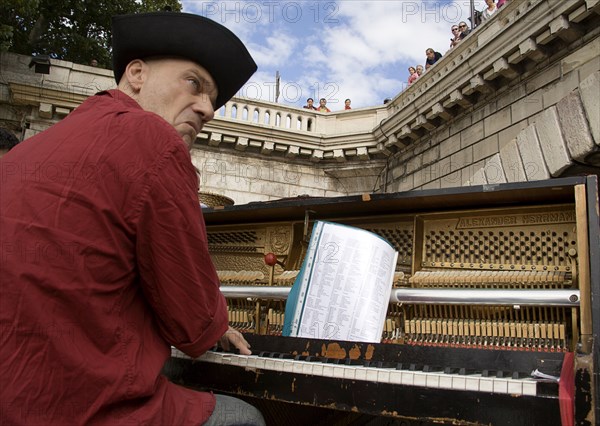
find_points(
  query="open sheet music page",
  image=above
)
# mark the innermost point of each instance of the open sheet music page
(343, 289)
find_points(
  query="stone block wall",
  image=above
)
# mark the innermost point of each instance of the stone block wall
(536, 128)
(563, 134)
(251, 178)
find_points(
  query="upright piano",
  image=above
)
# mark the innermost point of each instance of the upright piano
(493, 319)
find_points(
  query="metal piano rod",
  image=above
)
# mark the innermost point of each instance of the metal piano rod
(436, 296)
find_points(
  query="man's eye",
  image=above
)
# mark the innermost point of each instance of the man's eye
(195, 83)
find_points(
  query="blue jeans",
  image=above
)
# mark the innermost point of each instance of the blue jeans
(231, 411)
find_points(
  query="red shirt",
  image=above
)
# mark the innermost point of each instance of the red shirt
(104, 264)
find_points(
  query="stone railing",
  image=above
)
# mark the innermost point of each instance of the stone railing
(268, 114)
(273, 129)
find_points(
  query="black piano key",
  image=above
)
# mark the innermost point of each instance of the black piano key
(468, 371)
(285, 356)
(516, 375)
(431, 368)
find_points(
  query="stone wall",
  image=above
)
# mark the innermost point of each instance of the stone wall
(536, 121)
(247, 179)
(31, 102)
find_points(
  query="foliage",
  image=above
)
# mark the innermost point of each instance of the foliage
(72, 30)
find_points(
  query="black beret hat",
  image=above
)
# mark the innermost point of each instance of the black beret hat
(193, 37)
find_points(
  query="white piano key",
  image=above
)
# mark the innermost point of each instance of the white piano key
(360, 373)
(298, 367)
(317, 369)
(327, 370)
(396, 377)
(529, 387)
(383, 376)
(235, 360)
(420, 379)
(408, 378)
(307, 368)
(350, 373)
(288, 365)
(179, 354)
(433, 380)
(260, 362)
(240, 360)
(472, 383)
(446, 381)
(486, 384)
(209, 357)
(251, 361)
(500, 385)
(214, 356)
(372, 374)
(269, 364)
(459, 382)
(279, 364)
(515, 387)
(338, 371)
(225, 359)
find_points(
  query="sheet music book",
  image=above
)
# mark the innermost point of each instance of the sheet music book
(343, 289)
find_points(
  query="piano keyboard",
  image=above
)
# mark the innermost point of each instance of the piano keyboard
(404, 376)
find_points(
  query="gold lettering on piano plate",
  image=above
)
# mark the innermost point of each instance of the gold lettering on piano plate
(484, 222)
(553, 217)
(511, 220)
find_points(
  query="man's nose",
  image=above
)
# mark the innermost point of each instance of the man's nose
(204, 107)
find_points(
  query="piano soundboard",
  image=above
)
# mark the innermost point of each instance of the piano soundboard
(491, 305)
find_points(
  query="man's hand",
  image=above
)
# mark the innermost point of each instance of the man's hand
(232, 336)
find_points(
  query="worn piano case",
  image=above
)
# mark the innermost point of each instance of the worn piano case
(497, 285)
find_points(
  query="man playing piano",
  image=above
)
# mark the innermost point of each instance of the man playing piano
(104, 257)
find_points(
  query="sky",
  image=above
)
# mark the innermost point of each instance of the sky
(335, 49)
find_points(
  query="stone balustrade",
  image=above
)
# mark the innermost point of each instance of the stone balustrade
(272, 129)
(268, 114)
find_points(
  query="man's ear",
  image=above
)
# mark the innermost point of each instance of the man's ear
(134, 75)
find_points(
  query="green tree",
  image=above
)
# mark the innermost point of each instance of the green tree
(72, 30)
